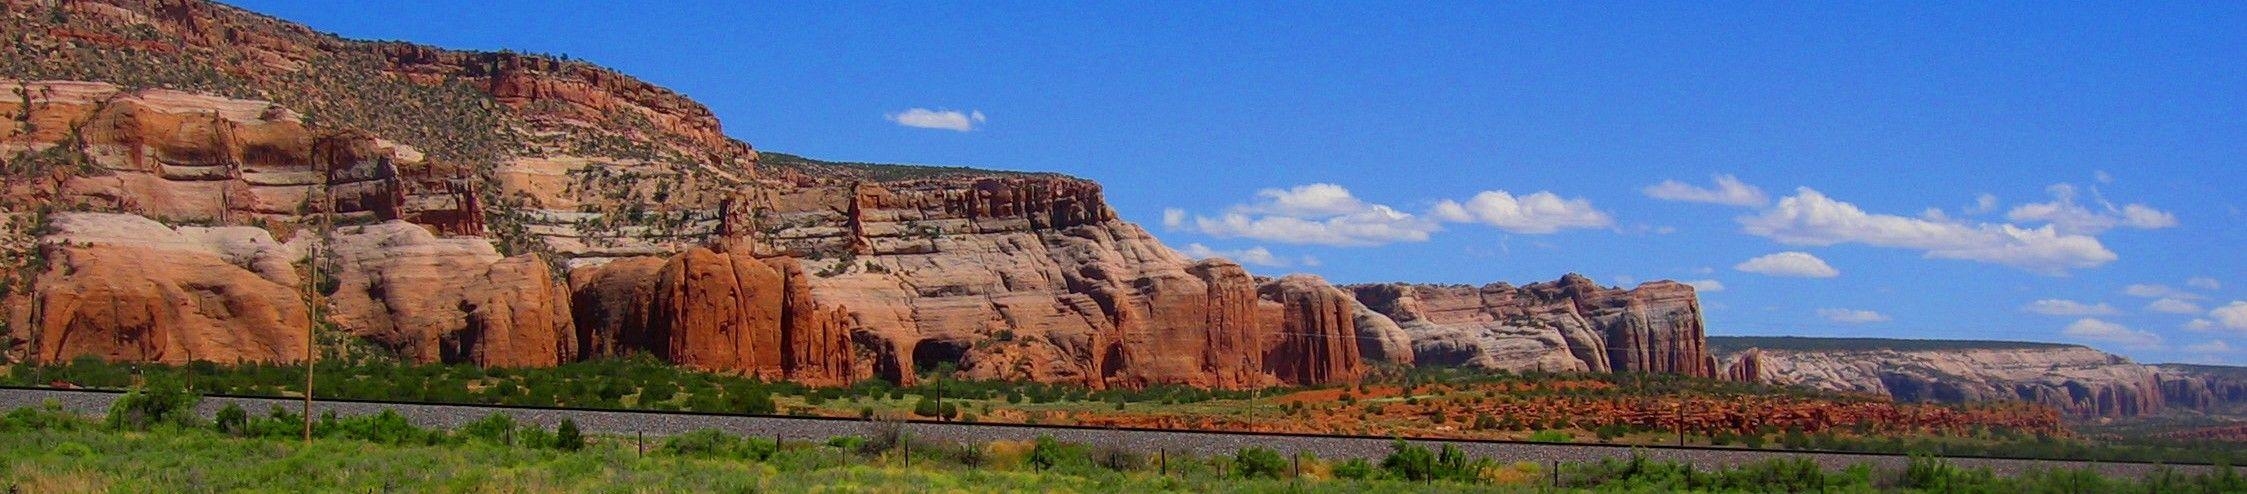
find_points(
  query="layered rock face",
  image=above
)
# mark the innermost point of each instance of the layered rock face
(125, 288)
(728, 312)
(1570, 325)
(2076, 380)
(1034, 277)
(1314, 331)
(432, 299)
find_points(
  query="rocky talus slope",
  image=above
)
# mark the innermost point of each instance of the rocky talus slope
(2077, 380)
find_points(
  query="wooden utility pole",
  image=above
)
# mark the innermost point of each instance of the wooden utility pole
(312, 294)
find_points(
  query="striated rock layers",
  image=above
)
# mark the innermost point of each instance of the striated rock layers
(1033, 277)
(2076, 380)
(1566, 325)
(719, 311)
(124, 288)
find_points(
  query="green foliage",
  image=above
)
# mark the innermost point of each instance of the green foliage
(497, 428)
(712, 443)
(1356, 469)
(1255, 462)
(162, 401)
(1552, 436)
(567, 437)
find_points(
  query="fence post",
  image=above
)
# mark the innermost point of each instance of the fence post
(1162, 461)
(1556, 474)
(643, 435)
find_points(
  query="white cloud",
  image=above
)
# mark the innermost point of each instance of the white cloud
(1258, 256)
(1811, 218)
(1327, 214)
(2210, 346)
(2233, 315)
(1320, 214)
(1305, 201)
(1851, 316)
(2102, 176)
(1706, 286)
(2200, 325)
(1376, 225)
(2173, 306)
(2204, 283)
(2069, 217)
(2149, 290)
(1792, 264)
(1310, 261)
(2107, 332)
(938, 119)
(1729, 191)
(1983, 204)
(1537, 212)
(2059, 307)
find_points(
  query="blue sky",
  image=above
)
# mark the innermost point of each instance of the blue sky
(2053, 172)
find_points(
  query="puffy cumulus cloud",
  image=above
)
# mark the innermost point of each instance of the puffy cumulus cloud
(924, 118)
(2150, 290)
(1791, 264)
(1706, 286)
(2066, 215)
(1812, 218)
(2233, 315)
(2200, 325)
(2210, 346)
(1852, 316)
(2204, 283)
(1258, 256)
(1537, 212)
(1729, 191)
(1317, 214)
(2173, 306)
(1376, 225)
(1173, 218)
(1305, 201)
(2060, 307)
(2101, 331)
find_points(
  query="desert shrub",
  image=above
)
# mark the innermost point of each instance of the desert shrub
(48, 416)
(162, 401)
(387, 427)
(495, 428)
(883, 436)
(1356, 469)
(567, 437)
(1551, 436)
(1047, 453)
(1254, 462)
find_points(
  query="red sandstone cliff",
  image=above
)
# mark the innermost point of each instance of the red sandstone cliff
(1566, 325)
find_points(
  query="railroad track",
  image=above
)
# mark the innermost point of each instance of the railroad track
(640, 423)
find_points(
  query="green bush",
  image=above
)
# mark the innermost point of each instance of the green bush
(1254, 462)
(162, 401)
(567, 437)
(496, 428)
(1356, 469)
(233, 420)
(1552, 436)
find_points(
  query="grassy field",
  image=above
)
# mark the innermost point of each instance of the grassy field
(1449, 403)
(147, 443)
